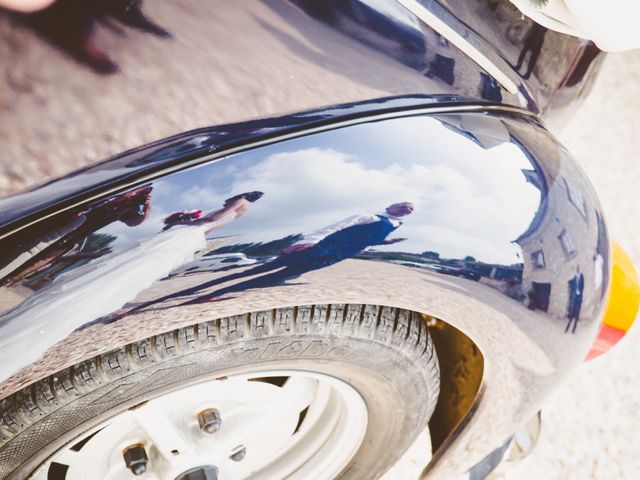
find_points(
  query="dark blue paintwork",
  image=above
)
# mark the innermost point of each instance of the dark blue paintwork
(251, 105)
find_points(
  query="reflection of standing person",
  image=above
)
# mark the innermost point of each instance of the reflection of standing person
(533, 44)
(232, 208)
(576, 291)
(320, 249)
(104, 285)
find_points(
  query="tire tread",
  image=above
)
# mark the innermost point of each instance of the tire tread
(401, 329)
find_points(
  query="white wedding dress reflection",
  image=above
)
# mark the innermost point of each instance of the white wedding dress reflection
(100, 288)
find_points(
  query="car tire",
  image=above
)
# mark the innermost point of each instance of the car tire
(384, 353)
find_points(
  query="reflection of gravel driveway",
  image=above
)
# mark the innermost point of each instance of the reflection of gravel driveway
(48, 131)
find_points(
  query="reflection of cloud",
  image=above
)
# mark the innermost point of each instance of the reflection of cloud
(466, 206)
(469, 200)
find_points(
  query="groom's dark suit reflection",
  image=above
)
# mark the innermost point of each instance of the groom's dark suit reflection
(318, 250)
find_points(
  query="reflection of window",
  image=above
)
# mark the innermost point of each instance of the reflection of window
(567, 244)
(538, 259)
(575, 197)
(539, 296)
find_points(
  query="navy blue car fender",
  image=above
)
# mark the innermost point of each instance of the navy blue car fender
(490, 227)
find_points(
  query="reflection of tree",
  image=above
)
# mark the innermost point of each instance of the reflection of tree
(259, 249)
(95, 245)
(395, 256)
(68, 233)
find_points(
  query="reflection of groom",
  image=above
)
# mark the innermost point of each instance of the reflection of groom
(318, 250)
(576, 290)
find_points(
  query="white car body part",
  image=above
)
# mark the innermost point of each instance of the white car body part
(613, 25)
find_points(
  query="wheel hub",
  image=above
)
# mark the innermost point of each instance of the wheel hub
(208, 472)
(266, 425)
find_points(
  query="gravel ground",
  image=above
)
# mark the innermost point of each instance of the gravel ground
(591, 422)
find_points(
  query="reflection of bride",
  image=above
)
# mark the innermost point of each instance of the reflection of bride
(106, 284)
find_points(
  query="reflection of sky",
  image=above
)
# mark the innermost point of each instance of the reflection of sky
(468, 200)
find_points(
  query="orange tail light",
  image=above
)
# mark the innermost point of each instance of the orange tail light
(623, 303)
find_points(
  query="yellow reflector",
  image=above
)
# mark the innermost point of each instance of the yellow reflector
(622, 308)
(625, 292)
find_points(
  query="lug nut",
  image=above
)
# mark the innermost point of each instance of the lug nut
(136, 459)
(209, 420)
(239, 455)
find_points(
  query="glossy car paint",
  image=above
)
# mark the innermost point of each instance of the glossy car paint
(489, 193)
(490, 186)
(230, 62)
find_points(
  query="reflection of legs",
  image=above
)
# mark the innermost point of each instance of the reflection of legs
(275, 278)
(568, 325)
(576, 313)
(265, 267)
(268, 280)
(274, 264)
(533, 59)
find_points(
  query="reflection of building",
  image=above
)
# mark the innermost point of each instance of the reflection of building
(549, 244)
(550, 256)
(564, 250)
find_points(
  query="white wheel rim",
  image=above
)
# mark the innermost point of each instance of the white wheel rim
(267, 420)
